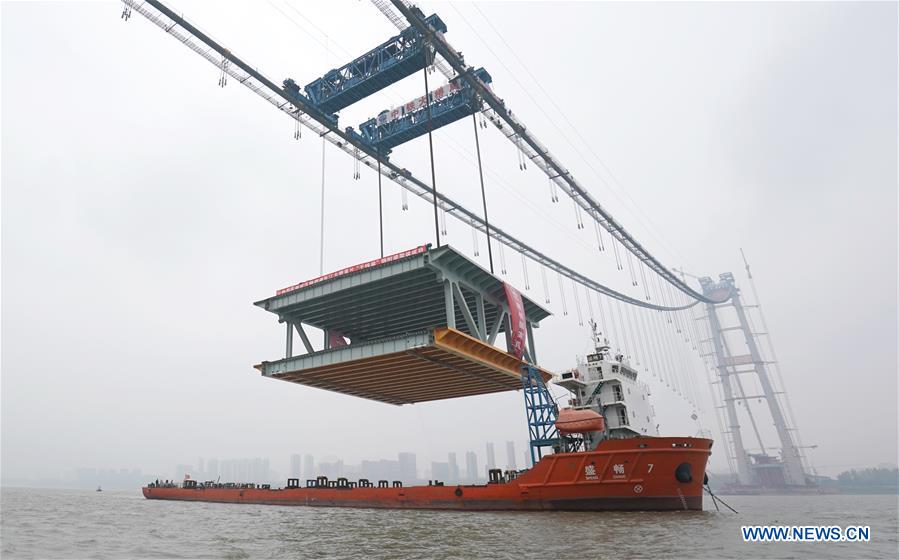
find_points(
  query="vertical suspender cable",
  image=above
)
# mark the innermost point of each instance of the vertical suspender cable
(589, 303)
(577, 304)
(545, 285)
(431, 147)
(477, 144)
(602, 318)
(617, 258)
(562, 297)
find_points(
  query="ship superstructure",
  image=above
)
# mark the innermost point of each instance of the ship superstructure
(606, 384)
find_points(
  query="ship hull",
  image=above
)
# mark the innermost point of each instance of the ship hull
(632, 474)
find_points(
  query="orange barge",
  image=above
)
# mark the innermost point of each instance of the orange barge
(653, 473)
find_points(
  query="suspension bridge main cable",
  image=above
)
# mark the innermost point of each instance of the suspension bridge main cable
(308, 115)
(614, 181)
(540, 154)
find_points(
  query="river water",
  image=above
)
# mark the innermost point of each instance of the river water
(85, 524)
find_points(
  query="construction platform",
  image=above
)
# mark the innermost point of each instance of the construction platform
(412, 327)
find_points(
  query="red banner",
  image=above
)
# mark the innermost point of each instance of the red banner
(354, 268)
(336, 340)
(518, 333)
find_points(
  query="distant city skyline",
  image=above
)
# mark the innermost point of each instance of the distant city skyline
(405, 466)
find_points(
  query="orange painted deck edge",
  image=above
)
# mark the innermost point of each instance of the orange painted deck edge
(627, 477)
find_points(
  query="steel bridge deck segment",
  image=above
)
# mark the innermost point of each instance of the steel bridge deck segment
(401, 296)
(421, 326)
(442, 363)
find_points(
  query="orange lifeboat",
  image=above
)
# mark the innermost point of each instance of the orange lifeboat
(571, 421)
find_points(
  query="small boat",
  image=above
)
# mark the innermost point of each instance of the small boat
(577, 421)
(99, 489)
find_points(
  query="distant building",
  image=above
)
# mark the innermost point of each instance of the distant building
(453, 469)
(471, 466)
(295, 466)
(331, 470)
(246, 470)
(382, 469)
(212, 469)
(408, 468)
(183, 470)
(510, 456)
(440, 471)
(309, 466)
(491, 456)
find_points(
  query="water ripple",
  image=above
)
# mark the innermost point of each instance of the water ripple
(113, 525)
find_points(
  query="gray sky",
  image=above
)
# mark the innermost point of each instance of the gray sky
(144, 209)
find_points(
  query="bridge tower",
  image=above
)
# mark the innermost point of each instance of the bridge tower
(735, 359)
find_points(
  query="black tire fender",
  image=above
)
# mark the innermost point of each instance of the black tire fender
(684, 473)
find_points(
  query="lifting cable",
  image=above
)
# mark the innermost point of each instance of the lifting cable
(431, 148)
(321, 260)
(381, 208)
(477, 144)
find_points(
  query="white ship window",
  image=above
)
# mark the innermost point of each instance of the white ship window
(614, 369)
(628, 390)
(634, 413)
(619, 396)
(622, 417)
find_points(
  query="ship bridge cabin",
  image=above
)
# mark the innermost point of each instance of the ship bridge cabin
(416, 326)
(607, 384)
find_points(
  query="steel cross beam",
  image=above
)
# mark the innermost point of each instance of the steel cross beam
(309, 116)
(540, 155)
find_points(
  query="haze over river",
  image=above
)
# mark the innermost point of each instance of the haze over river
(84, 524)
